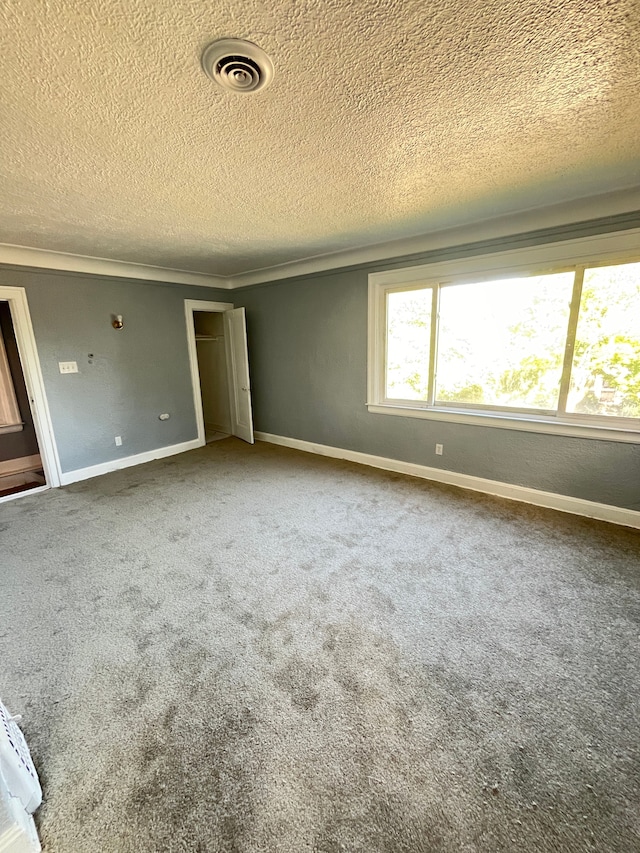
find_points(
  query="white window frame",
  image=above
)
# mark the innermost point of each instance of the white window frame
(601, 250)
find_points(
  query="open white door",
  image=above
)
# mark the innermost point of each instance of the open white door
(239, 387)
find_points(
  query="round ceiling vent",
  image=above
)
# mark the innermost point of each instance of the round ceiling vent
(238, 65)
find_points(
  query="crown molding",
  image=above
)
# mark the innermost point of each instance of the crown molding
(26, 256)
(566, 214)
(579, 211)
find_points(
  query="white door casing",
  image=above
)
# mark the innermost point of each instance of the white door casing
(238, 366)
(25, 339)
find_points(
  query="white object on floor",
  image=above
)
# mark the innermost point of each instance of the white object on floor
(20, 792)
(17, 830)
(16, 766)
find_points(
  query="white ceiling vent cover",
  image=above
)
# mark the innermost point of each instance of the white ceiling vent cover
(238, 65)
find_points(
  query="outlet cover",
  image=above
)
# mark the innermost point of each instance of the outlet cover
(68, 366)
(118, 441)
(439, 449)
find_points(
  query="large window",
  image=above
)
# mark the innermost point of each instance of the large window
(556, 345)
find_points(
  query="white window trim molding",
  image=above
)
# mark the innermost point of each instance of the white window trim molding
(616, 247)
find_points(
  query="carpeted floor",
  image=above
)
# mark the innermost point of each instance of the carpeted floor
(254, 649)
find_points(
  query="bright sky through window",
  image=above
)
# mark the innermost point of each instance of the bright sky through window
(556, 344)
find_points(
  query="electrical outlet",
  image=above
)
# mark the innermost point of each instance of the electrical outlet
(118, 441)
(68, 366)
(439, 449)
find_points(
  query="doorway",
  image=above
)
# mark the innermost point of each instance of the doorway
(212, 368)
(20, 461)
(217, 340)
(28, 460)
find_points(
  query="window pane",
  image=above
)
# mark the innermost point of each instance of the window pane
(502, 343)
(605, 379)
(408, 341)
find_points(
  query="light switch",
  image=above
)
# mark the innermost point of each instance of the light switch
(68, 366)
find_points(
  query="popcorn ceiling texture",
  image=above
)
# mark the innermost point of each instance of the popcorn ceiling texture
(383, 120)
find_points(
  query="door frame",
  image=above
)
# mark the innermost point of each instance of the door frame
(30, 363)
(190, 307)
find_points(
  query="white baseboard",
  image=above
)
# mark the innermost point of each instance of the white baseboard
(564, 503)
(127, 462)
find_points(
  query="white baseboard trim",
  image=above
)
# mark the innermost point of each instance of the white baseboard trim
(564, 503)
(127, 462)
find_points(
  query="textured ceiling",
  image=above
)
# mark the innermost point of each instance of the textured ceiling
(384, 120)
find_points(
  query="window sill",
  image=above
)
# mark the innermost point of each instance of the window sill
(528, 423)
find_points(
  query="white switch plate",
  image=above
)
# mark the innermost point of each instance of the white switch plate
(439, 449)
(118, 441)
(68, 366)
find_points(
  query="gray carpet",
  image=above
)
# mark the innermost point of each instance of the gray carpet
(254, 649)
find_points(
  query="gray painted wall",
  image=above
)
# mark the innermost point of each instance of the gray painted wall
(308, 350)
(308, 359)
(137, 372)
